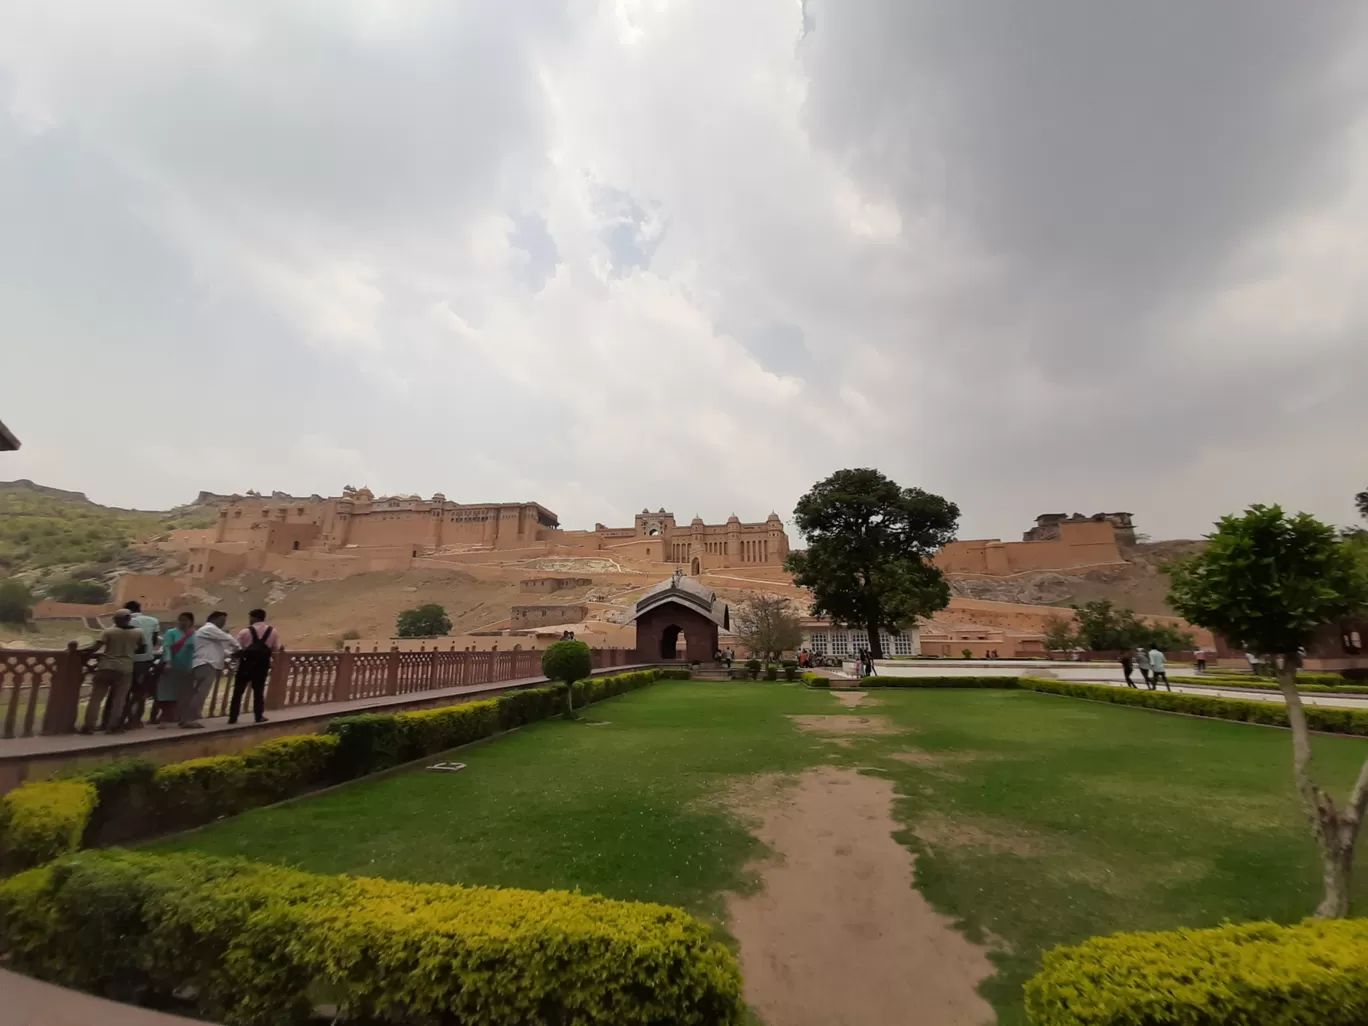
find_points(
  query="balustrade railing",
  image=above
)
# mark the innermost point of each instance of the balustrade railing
(44, 691)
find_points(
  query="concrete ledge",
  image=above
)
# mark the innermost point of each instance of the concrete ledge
(37, 757)
(30, 1002)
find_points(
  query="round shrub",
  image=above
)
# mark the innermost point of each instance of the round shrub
(567, 662)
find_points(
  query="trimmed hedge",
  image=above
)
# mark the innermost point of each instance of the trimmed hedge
(1255, 973)
(1244, 710)
(133, 798)
(41, 820)
(1264, 684)
(998, 681)
(254, 945)
(1318, 717)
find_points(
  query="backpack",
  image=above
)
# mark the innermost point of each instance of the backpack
(257, 655)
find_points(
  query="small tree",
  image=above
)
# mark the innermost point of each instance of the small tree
(15, 599)
(567, 662)
(84, 592)
(870, 543)
(1267, 581)
(767, 625)
(1059, 634)
(1104, 628)
(1361, 501)
(426, 621)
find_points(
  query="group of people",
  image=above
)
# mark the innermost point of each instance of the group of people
(175, 670)
(1150, 664)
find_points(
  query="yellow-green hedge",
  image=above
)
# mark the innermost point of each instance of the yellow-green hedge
(1253, 974)
(42, 819)
(255, 945)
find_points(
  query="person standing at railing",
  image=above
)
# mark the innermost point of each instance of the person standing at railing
(114, 674)
(178, 662)
(213, 646)
(144, 662)
(258, 641)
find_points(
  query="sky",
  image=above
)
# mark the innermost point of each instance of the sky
(1035, 257)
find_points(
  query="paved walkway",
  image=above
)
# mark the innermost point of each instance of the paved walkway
(30, 1002)
(1105, 673)
(61, 744)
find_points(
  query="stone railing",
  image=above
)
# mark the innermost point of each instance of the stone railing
(43, 691)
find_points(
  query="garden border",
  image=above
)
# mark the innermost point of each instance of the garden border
(130, 800)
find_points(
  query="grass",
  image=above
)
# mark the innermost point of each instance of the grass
(1038, 820)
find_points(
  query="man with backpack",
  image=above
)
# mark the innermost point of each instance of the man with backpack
(259, 642)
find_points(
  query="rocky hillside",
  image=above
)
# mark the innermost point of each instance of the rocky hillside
(1141, 584)
(47, 531)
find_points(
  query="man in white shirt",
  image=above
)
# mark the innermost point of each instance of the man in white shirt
(1156, 661)
(213, 647)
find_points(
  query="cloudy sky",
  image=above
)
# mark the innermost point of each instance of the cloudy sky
(1045, 256)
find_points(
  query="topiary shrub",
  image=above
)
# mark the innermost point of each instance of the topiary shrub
(1313, 973)
(43, 819)
(248, 943)
(790, 671)
(567, 662)
(771, 672)
(753, 668)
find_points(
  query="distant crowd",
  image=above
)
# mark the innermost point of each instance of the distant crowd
(166, 676)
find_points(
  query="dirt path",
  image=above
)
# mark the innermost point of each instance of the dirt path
(837, 935)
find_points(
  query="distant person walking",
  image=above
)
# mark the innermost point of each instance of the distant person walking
(178, 663)
(144, 662)
(1156, 660)
(1199, 657)
(113, 674)
(1142, 664)
(258, 641)
(1127, 667)
(213, 646)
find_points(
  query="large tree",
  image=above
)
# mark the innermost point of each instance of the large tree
(767, 625)
(869, 548)
(1267, 581)
(425, 621)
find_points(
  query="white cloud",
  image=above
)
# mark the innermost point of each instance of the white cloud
(607, 254)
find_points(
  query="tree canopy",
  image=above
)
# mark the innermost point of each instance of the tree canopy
(1267, 580)
(870, 543)
(767, 625)
(15, 599)
(85, 591)
(426, 621)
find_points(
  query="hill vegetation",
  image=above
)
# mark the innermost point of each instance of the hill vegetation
(42, 527)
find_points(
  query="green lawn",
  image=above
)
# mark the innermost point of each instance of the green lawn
(1038, 819)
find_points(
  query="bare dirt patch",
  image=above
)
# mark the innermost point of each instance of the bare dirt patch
(850, 699)
(919, 757)
(837, 933)
(846, 725)
(981, 834)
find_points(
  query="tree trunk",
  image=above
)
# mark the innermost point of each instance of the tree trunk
(1335, 831)
(570, 701)
(875, 642)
